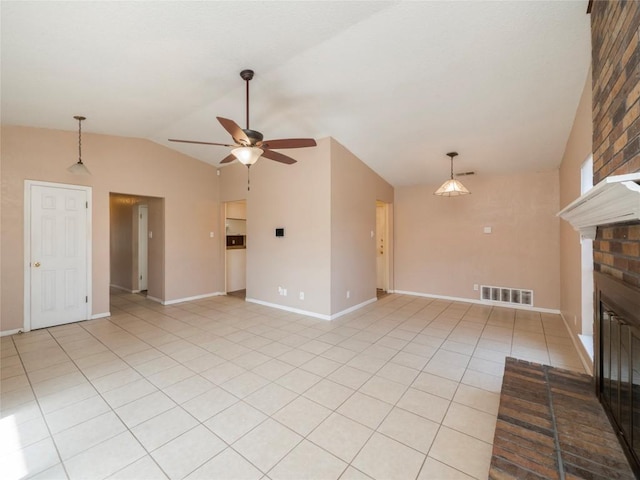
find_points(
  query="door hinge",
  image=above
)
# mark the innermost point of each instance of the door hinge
(140, 277)
(140, 216)
(86, 299)
(86, 204)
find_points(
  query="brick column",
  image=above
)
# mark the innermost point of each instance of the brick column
(615, 43)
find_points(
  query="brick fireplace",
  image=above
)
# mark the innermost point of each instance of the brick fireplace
(609, 214)
(615, 37)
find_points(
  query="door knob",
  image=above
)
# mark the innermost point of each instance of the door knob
(37, 264)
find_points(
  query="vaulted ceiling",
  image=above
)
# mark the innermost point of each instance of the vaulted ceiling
(398, 83)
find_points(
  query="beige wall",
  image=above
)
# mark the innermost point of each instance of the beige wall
(121, 243)
(326, 203)
(354, 191)
(441, 249)
(576, 152)
(190, 190)
(297, 198)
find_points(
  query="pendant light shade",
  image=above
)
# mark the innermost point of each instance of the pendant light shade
(79, 168)
(452, 187)
(247, 155)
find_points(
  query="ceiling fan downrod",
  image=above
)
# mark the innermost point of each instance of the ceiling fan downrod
(247, 75)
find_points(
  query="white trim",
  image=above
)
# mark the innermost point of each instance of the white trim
(587, 344)
(613, 200)
(481, 302)
(354, 308)
(27, 245)
(123, 289)
(185, 299)
(100, 315)
(587, 362)
(307, 313)
(6, 333)
(321, 316)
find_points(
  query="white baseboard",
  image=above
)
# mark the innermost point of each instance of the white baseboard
(308, 313)
(6, 333)
(480, 302)
(354, 308)
(321, 316)
(585, 358)
(123, 289)
(185, 299)
(20, 330)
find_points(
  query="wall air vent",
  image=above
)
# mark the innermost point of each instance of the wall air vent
(507, 295)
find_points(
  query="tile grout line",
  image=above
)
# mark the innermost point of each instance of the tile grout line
(554, 423)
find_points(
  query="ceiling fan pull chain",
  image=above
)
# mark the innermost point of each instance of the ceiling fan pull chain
(248, 178)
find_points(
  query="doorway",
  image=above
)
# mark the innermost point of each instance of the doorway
(137, 244)
(57, 254)
(236, 248)
(382, 248)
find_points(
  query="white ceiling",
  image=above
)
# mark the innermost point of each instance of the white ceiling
(399, 84)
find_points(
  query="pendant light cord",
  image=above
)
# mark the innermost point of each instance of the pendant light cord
(79, 141)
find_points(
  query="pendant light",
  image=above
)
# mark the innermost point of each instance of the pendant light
(452, 187)
(79, 168)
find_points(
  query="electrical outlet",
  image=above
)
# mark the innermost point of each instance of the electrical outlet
(210, 234)
(475, 287)
(284, 292)
(279, 290)
(348, 294)
(301, 295)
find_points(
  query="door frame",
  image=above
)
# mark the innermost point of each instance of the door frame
(27, 244)
(386, 261)
(143, 238)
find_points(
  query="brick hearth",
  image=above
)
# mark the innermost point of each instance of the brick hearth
(551, 426)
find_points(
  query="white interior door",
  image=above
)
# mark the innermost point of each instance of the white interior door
(143, 245)
(58, 255)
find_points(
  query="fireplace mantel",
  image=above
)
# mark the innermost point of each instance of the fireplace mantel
(615, 199)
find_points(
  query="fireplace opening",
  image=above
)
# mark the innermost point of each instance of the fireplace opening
(617, 360)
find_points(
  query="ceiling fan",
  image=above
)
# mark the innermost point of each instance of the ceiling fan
(249, 144)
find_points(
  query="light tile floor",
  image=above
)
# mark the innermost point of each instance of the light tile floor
(404, 388)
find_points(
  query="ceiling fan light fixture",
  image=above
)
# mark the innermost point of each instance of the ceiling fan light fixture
(79, 168)
(452, 187)
(247, 155)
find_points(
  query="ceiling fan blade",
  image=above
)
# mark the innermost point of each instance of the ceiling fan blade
(234, 129)
(228, 159)
(278, 157)
(289, 143)
(201, 143)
